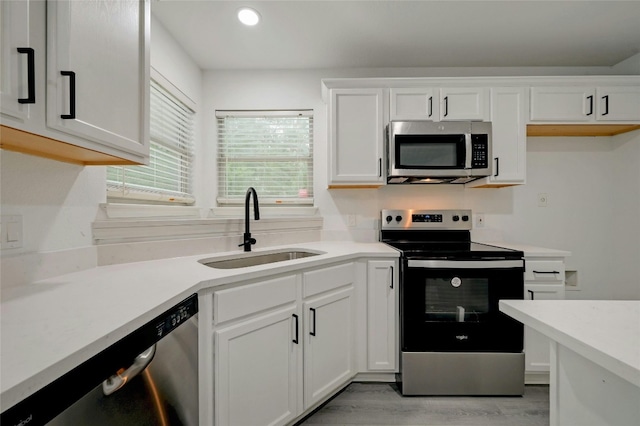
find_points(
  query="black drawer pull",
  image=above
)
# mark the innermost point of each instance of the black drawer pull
(590, 104)
(446, 106)
(391, 277)
(531, 293)
(606, 105)
(31, 76)
(72, 95)
(546, 272)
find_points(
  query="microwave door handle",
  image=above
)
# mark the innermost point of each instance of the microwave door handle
(467, 144)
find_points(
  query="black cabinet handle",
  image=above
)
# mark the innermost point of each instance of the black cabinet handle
(296, 339)
(31, 76)
(379, 167)
(446, 106)
(430, 106)
(391, 277)
(313, 312)
(606, 104)
(497, 166)
(531, 293)
(546, 272)
(72, 95)
(590, 97)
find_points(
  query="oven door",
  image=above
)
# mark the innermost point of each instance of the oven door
(452, 305)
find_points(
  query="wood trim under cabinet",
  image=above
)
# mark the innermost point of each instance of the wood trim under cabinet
(29, 143)
(579, 129)
(354, 186)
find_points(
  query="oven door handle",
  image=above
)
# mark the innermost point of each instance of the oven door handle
(466, 264)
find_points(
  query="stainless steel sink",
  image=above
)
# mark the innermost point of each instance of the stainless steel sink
(245, 260)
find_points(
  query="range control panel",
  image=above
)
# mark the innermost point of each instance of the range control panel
(426, 219)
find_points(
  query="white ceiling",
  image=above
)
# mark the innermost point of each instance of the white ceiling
(398, 33)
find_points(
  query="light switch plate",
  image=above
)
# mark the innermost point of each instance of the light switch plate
(11, 231)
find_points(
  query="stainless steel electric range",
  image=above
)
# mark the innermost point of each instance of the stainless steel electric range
(454, 340)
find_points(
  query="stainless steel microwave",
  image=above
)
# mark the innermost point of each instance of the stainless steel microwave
(438, 152)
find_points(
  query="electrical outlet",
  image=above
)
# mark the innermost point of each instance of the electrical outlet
(351, 220)
(543, 199)
(479, 220)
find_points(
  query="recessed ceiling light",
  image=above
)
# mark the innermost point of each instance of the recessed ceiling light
(248, 16)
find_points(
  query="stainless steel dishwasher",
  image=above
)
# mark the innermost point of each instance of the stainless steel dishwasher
(150, 377)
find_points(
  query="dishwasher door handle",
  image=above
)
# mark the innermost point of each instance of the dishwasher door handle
(117, 381)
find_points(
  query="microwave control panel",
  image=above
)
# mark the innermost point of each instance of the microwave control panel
(479, 151)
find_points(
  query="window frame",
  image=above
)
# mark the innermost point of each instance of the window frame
(306, 200)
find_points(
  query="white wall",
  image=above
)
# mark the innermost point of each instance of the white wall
(589, 181)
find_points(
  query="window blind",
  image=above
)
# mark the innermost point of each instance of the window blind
(271, 151)
(168, 177)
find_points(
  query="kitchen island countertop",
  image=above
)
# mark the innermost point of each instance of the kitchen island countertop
(595, 357)
(51, 326)
(606, 332)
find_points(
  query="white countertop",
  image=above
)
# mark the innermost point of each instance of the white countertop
(607, 332)
(531, 251)
(49, 327)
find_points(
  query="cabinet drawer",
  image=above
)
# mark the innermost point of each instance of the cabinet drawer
(252, 298)
(544, 292)
(321, 280)
(544, 270)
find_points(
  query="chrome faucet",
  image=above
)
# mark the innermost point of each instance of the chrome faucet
(247, 240)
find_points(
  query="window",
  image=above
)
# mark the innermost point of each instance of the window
(271, 151)
(168, 177)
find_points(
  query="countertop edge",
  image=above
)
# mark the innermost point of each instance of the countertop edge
(628, 372)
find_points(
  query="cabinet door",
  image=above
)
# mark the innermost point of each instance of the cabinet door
(562, 104)
(98, 86)
(412, 104)
(328, 344)
(536, 345)
(256, 370)
(509, 135)
(618, 103)
(356, 123)
(382, 315)
(463, 103)
(16, 69)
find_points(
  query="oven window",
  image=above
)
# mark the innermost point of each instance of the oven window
(426, 151)
(456, 299)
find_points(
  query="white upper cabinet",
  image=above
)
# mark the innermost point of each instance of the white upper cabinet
(17, 72)
(618, 103)
(464, 103)
(89, 74)
(585, 103)
(414, 103)
(97, 84)
(356, 131)
(509, 138)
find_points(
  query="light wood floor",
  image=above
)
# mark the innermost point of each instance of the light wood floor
(382, 404)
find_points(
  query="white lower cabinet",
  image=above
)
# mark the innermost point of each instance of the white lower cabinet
(278, 353)
(257, 370)
(328, 344)
(382, 316)
(543, 280)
